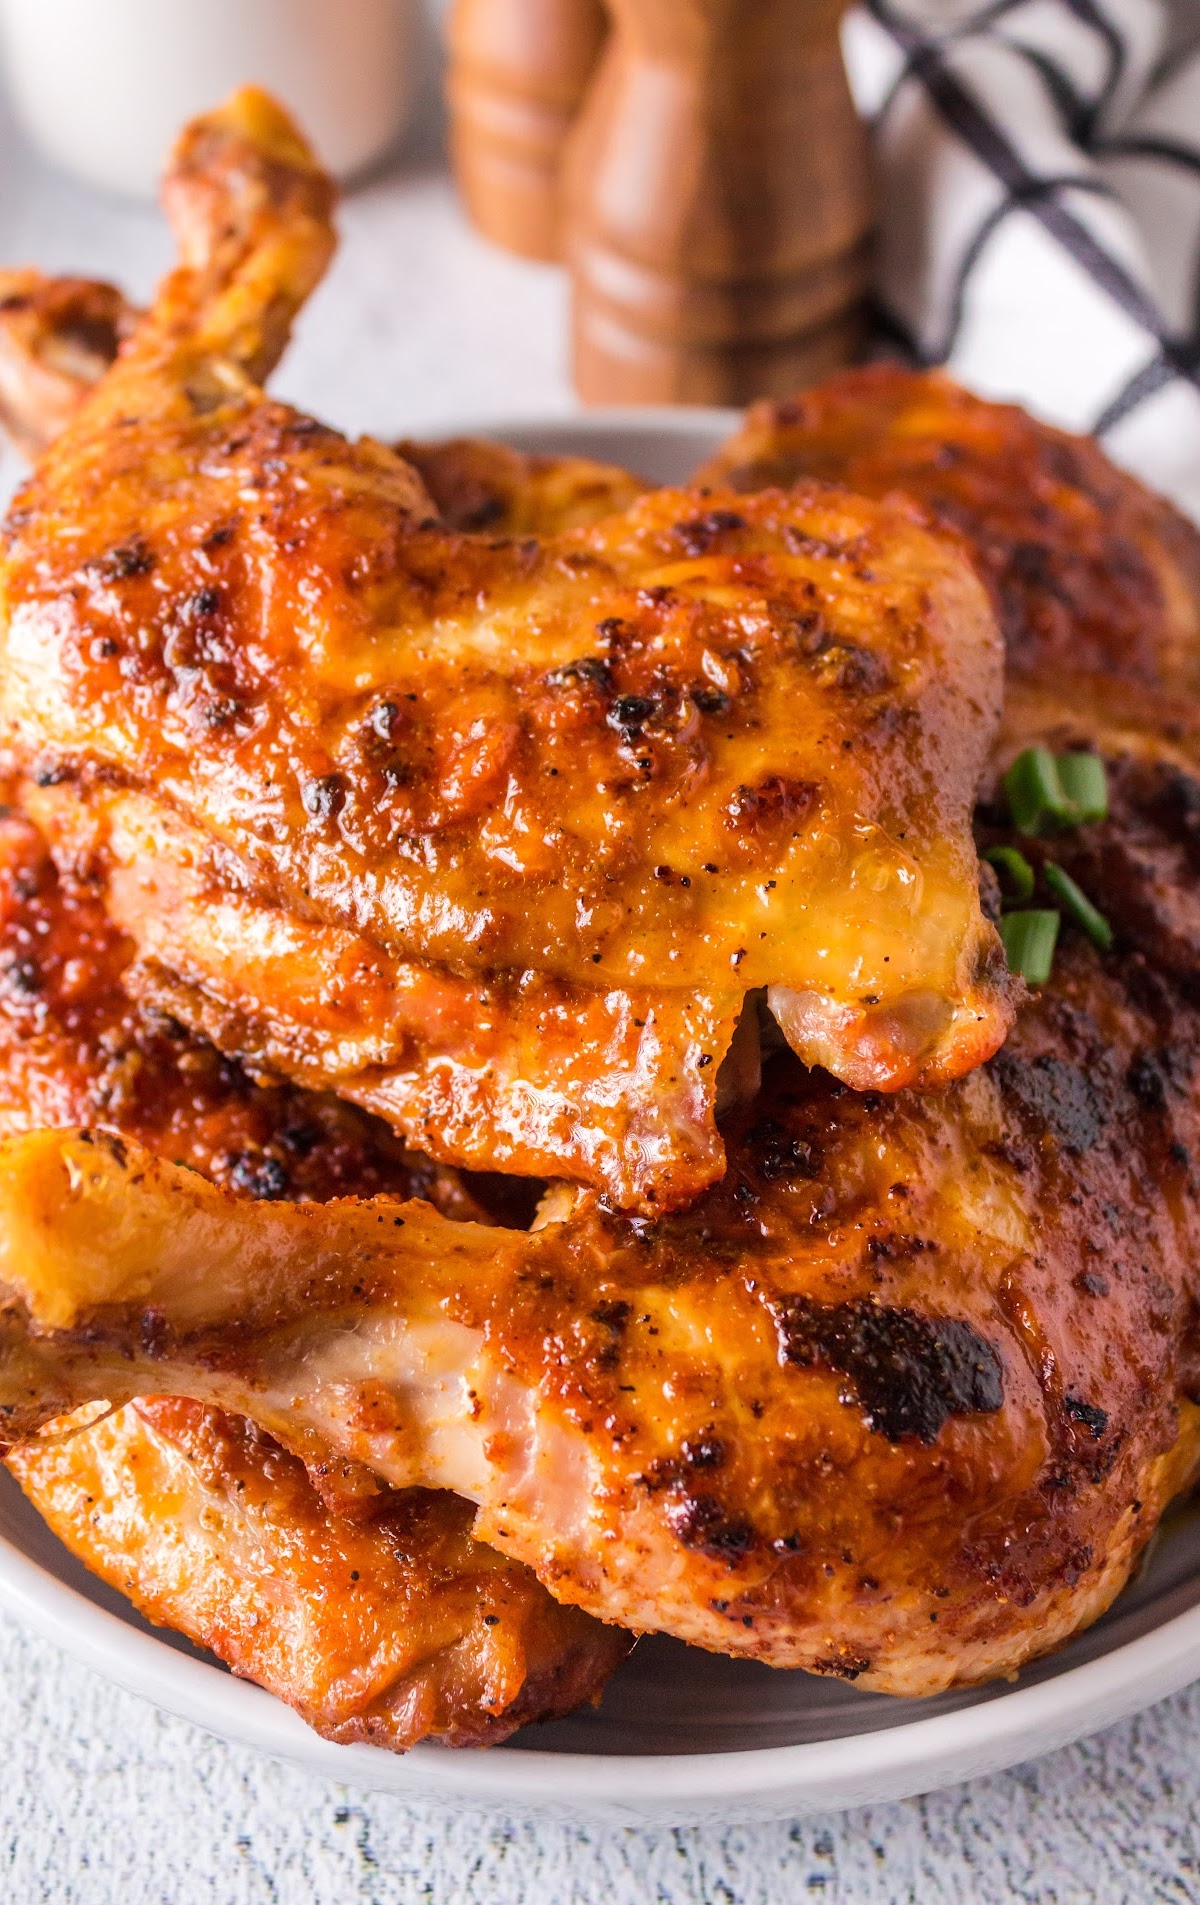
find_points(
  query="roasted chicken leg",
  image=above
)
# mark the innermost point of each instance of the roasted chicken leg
(522, 824)
(901, 1399)
(914, 1358)
(392, 1625)
(372, 1612)
(952, 1339)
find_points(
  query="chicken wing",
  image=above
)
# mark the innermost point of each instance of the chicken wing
(393, 1625)
(547, 813)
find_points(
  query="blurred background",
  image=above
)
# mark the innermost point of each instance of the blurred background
(421, 322)
(1013, 191)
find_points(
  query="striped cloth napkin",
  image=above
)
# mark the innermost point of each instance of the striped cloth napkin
(1039, 170)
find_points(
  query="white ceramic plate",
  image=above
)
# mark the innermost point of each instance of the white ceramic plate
(681, 1737)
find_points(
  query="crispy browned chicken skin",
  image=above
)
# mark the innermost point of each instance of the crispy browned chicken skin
(901, 1399)
(391, 1629)
(58, 336)
(1089, 570)
(75, 1049)
(538, 816)
(951, 1338)
(393, 1625)
(916, 1357)
(925, 1357)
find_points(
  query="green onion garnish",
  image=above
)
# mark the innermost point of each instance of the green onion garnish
(1078, 906)
(1016, 874)
(1035, 794)
(1047, 793)
(1029, 941)
(1085, 784)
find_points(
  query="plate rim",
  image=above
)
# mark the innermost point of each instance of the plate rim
(875, 1765)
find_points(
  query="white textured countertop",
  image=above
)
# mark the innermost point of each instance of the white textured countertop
(105, 1802)
(101, 1798)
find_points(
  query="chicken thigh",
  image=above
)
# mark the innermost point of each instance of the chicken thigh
(390, 1628)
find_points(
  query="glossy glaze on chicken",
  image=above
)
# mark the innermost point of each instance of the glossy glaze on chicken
(902, 1396)
(390, 1628)
(892, 1305)
(881, 1405)
(545, 810)
(1088, 569)
(371, 1611)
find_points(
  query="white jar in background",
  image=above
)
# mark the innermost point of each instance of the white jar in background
(104, 86)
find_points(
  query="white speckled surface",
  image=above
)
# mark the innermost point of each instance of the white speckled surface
(102, 1799)
(105, 1802)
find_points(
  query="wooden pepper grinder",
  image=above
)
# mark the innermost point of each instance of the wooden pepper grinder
(518, 71)
(719, 204)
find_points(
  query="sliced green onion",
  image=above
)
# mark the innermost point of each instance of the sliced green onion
(1085, 784)
(1078, 906)
(1029, 941)
(1036, 799)
(1048, 792)
(1016, 874)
